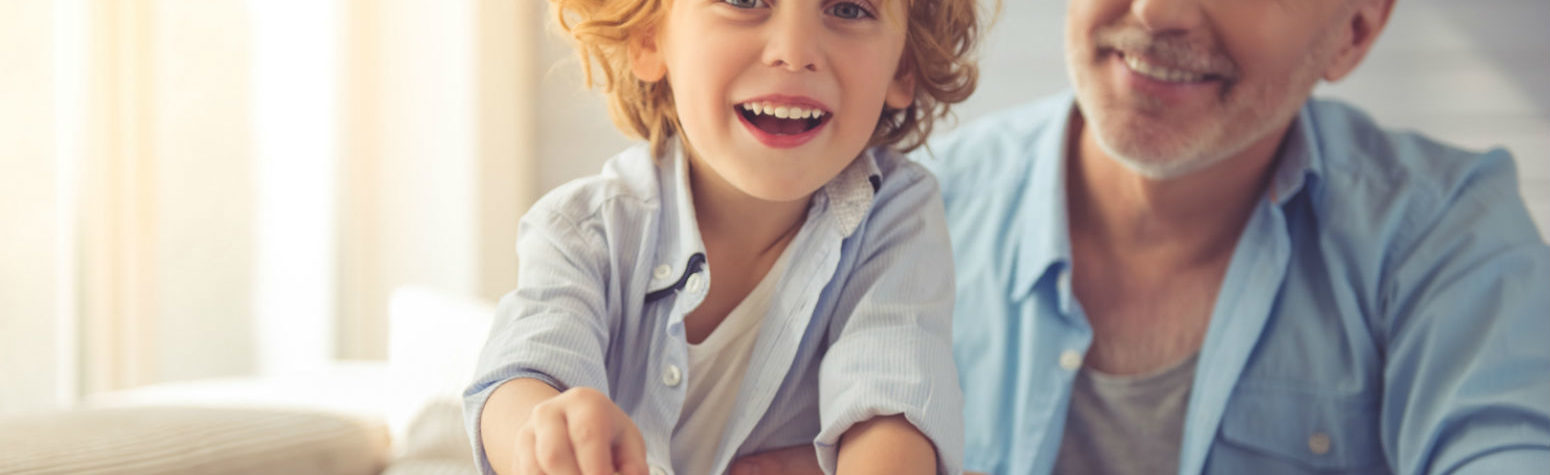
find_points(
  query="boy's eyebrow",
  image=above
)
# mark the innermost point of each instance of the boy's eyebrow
(880, 7)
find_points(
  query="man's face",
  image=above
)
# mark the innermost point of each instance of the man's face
(1173, 86)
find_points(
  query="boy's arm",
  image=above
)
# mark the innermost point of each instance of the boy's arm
(890, 359)
(885, 445)
(799, 460)
(529, 427)
(551, 331)
(504, 413)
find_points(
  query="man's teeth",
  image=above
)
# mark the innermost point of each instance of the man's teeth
(782, 112)
(1161, 73)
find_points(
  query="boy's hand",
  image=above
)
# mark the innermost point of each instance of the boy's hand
(579, 432)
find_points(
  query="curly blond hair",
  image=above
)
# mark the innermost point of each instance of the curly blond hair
(939, 42)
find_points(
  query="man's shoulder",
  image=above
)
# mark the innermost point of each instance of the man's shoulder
(998, 149)
(1368, 163)
(1355, 145)
(1394, 190)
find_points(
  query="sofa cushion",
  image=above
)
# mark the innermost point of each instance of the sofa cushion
(192, 440)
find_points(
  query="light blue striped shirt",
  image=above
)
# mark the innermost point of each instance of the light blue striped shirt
(860, 325)
(1386, 309)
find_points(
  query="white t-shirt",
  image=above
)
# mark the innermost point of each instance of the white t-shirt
(716, 368)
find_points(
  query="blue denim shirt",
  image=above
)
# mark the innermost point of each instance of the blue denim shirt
(860, 325)
(1387, 307)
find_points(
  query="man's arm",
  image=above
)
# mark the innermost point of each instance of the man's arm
(1467, 316)
(798, 460)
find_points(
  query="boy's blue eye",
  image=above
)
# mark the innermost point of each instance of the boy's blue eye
(745, 3)
(850, 11)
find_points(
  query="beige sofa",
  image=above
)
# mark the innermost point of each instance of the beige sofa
(396, 417)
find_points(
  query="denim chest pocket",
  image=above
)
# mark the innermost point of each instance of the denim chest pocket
(1278, 430)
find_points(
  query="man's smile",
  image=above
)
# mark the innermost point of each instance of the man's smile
(1164, 73)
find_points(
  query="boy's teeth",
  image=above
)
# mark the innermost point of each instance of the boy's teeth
(782, 112)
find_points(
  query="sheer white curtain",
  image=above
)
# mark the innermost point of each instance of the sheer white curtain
(197, 189)
(32, 225)
(438, 154)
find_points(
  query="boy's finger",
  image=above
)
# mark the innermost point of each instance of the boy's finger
(590, 438)
(553, 448)
(629, 449)
(525, 462)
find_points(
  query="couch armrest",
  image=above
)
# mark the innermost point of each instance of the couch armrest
(190, 440)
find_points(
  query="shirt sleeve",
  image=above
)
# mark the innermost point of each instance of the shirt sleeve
(893, 353)
(1467, 376)
(553, 326)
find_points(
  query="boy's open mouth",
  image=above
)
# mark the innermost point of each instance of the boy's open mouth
(782, 119)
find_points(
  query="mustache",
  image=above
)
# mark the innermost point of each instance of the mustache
(1174, 51)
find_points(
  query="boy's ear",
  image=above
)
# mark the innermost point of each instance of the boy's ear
(646, 57)
(901, 91)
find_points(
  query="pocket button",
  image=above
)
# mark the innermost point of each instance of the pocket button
(1070, 360)
(1318, 443)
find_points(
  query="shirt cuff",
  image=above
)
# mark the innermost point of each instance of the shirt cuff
(940, 434)
(473, 409)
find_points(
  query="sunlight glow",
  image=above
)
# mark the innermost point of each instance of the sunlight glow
(296, 115)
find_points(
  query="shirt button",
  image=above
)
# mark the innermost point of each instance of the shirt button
(672, 376)
(1318, 443)
(1070, 360)
(657, 470)
(663, 271)
(695, 283)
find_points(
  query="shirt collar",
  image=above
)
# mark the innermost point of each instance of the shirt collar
(846, 199)
(849, 196)
(680, 251)
(1046, 241)
(1301, 159)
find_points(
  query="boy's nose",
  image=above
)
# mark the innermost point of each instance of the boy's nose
(792, 43)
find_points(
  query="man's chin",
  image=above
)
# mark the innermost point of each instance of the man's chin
(1162, 170)
(1156, 160)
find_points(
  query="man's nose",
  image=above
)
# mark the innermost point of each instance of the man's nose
(792, 42)
(1160, 16)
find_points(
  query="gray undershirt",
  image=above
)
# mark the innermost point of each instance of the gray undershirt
(1126, 424)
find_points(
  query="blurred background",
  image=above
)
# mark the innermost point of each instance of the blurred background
(197, 189)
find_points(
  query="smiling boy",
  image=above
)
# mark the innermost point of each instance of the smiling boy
(740, 284)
